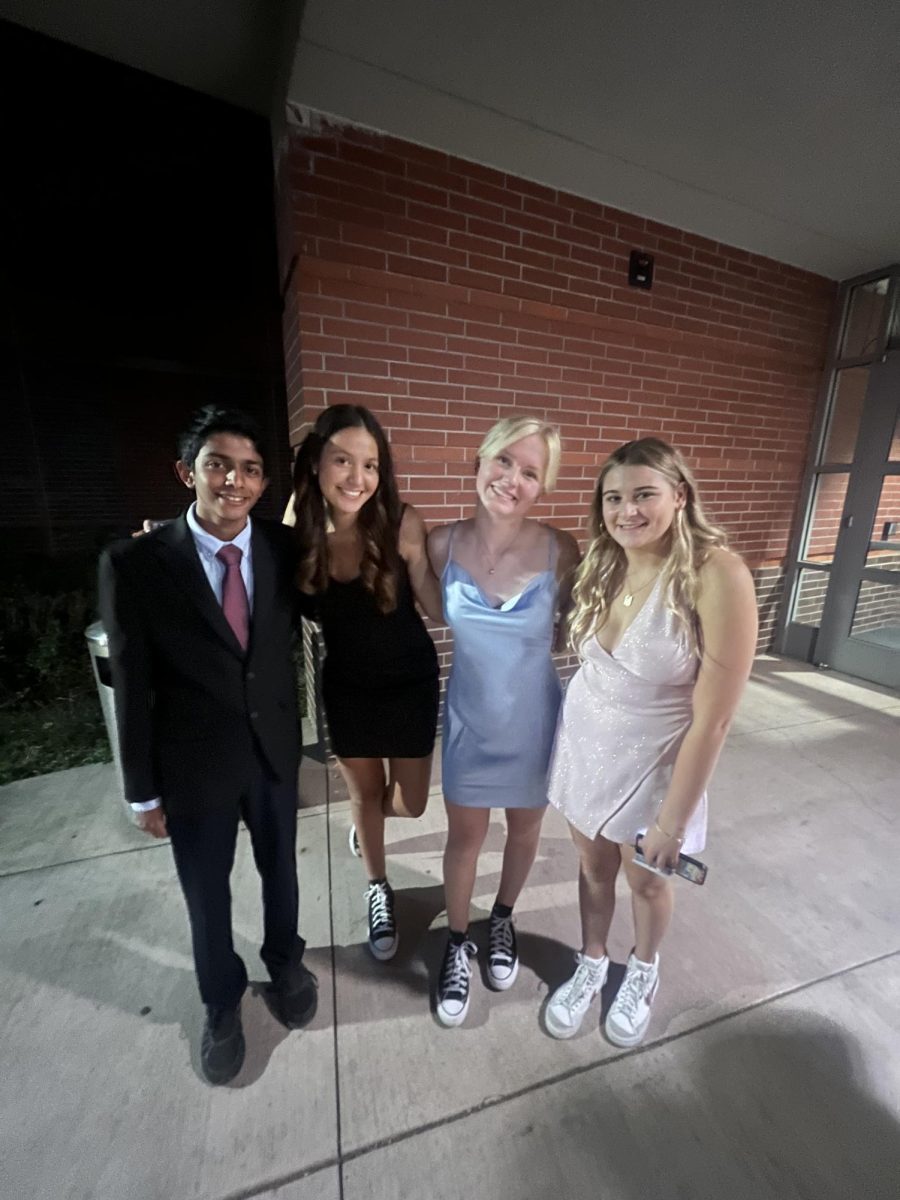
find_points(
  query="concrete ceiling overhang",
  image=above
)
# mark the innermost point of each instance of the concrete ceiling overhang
(230, 49)
(773, 126)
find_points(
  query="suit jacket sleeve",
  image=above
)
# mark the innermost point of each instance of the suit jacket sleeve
(132, 674)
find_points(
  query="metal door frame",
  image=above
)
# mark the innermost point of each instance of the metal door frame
(825, 644)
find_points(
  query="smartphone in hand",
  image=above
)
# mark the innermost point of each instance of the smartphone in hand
(688, 868)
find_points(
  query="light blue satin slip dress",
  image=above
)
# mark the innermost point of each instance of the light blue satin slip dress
(503, 695)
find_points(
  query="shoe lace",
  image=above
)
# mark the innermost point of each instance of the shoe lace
(502, 939)
(381, 908)
(634, 985)
(583, 981)
(456, 970)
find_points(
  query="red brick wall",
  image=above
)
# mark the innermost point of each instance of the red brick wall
(443, 295)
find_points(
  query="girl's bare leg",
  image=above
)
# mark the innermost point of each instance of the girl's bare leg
(523, 832)
(652, 902)
(599, 862)
(366, 783)
(408, 782)
(465, 835)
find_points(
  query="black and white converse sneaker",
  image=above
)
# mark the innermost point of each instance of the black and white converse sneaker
(453, 985)
(383, 939)
(503, 956)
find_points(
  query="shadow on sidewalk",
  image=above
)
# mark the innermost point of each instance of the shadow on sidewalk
(405, 985)
(755, 1114)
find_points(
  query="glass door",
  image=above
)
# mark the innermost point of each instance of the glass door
(844, 589)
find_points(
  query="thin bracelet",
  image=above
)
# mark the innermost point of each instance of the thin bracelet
(673, 837)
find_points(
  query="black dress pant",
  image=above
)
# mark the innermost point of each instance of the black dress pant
(203, 845)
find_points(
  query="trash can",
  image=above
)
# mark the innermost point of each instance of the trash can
(98, 647)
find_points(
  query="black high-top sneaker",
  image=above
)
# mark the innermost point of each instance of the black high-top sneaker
(453, 985)
(503, 955)
(383, 938)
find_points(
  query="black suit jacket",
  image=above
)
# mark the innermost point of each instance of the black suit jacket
(195, 713)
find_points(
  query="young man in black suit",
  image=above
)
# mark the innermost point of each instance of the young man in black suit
(200, 617)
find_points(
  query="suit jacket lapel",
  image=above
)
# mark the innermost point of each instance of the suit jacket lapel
(176, 548)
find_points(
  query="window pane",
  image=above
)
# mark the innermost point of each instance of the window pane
(810, 597)
(877, 616)
(865, 317)
(825, 522)
(846, 410)
(884, 543)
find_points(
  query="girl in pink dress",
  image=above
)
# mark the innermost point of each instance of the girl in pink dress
(665, 624)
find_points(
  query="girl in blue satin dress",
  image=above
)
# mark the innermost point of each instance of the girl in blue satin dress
(505, 579)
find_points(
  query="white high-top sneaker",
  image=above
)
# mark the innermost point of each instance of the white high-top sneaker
(629, 1014)
(568, 1005)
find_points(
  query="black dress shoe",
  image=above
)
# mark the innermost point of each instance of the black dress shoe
(222, 1046)
(295, 996)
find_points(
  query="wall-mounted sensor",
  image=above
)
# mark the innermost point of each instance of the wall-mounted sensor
(640, 269)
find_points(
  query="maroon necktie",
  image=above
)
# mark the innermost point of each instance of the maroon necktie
(234, 594)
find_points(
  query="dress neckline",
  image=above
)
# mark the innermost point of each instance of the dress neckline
(640, 612)
(502, 607)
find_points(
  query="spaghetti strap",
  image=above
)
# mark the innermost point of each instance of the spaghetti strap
(450, 540)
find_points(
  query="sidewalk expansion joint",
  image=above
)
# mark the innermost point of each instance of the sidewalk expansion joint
(283, 1180)
(149, 844)
(155, 844)
(337, 1161)
(573, 1072)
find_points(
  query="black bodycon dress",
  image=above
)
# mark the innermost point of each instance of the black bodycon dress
(380, 678)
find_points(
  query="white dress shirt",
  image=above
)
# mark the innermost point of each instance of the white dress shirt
(208, 546)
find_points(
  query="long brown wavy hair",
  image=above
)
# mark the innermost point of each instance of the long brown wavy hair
(602, 571)
(378, 519)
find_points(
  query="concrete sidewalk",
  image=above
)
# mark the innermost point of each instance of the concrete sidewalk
(772, 1069)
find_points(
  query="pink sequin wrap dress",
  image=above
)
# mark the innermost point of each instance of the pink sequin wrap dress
(623, 719)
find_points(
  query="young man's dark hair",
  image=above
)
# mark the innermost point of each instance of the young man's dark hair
(210, 420)
(200, 616)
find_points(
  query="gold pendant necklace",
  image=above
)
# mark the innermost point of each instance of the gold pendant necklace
(628, 598)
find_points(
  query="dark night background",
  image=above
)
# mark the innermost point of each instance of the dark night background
(138, 280)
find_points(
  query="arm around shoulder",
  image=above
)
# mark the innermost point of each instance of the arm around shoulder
(438, 543)
(414, 551)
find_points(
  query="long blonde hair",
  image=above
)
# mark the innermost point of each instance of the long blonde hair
(603, 568)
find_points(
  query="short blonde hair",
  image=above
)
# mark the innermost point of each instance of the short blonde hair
(513, 429)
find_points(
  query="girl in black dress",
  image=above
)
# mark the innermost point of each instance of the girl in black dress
(363, 565)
